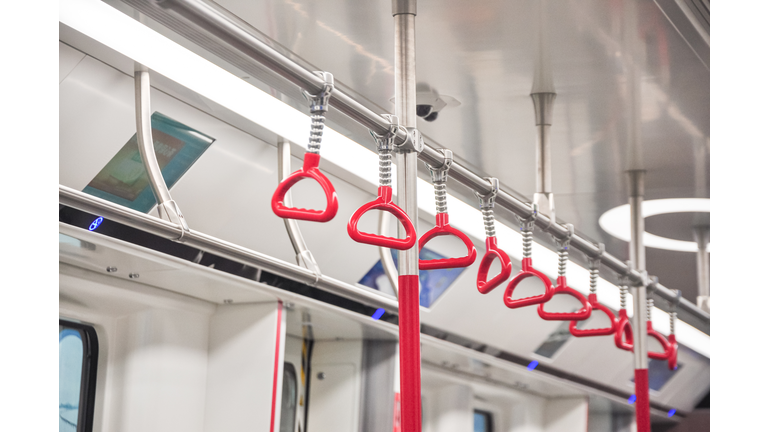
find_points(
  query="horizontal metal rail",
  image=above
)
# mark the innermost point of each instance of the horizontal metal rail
(236, 35)
(192, 238)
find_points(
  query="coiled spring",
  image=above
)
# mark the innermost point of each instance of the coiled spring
(672, 319)
(316, 131)
(527, 243)
(385, 164)
(623, 295)
(562, 260)
(441, 198)
(489, 222)
(593, 275)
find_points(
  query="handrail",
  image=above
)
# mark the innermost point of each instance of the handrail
(236, 39)
(165, 229)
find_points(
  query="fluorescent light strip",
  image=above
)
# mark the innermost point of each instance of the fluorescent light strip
(127, 36)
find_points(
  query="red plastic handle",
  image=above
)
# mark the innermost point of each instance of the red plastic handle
(442, 228)
(662, 340)
(563, 288)
(672, 360)
(383, 202)
(492, 251)
(309, 170)
(606, 331)
(623, 336)
(526, 272)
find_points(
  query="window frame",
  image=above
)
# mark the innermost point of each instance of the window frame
(488, 416)
(87, 374)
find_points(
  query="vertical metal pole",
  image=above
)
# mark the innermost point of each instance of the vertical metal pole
(404, 13)
(543, 104)
(639, 326)
(701, 234)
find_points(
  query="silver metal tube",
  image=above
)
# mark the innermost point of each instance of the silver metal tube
(637, 256)
(167, 230)
(405, 110)
(224, 26)
(701, 234)
(166, 207)
(304, 256)
(543, 104)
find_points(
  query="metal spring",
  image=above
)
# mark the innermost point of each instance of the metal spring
(316, 131)
(385, 166)
(562, 261)
(648, 310)
(441, 198)
(672, 319)
(623, 295)
(527, 243)
(489, 222)
(593, 275)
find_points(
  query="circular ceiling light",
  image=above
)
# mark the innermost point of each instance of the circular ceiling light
(616, 221)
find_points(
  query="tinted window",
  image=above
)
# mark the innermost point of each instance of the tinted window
(483, 421)
(290, 396)
(78, 350)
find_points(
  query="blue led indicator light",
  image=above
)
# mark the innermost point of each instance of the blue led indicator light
(95, 224)
(379, 312)
(532, 365)
(671, 412)
(632, 399)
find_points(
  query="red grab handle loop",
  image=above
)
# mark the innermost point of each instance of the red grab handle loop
(623, 336)
(526, 272)
(672, 360)
(563, 288)
(606, 331)
(492, 251)
(662, 340)
(383, 202)
(308, 170)
(442, 228)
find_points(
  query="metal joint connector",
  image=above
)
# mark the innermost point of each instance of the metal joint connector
(440, 173)
(414, 142)
(527, 223)
(488, 200)
(171, 212)
(563, 243)
(318, 103)
(594, 262)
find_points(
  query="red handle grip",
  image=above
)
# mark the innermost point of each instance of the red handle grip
(492, 251)
(662, 340)
(442, 228)
(606, 331)
(383, 202)
(563, 288)
(623, 336)
(672, 361)
(308, 170)
(526, 272)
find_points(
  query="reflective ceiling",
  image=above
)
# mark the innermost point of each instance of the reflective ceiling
(631, 77)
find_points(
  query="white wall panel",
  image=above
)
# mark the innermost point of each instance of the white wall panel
(566, 415)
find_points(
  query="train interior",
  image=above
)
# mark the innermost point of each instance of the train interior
(159, 335)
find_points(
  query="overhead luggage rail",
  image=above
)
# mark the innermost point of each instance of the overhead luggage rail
(235, 40)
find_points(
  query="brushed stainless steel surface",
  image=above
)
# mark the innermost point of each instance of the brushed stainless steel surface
(166, 207)
(543, 104)
(696, 129)
(405, 110)
(637, 257)
(701, 234)
(304, 256)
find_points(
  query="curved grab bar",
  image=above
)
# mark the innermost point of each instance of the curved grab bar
(166, 206)
(605, 331)
(318, 107)
(443, 228)
(563, 288)
(492, 251)
(662, 340)
(309, 170)
(526, 272)
(672, 360)
(383, 202)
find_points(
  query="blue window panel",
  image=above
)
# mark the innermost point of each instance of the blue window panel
(70, 377)
(433, 282)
